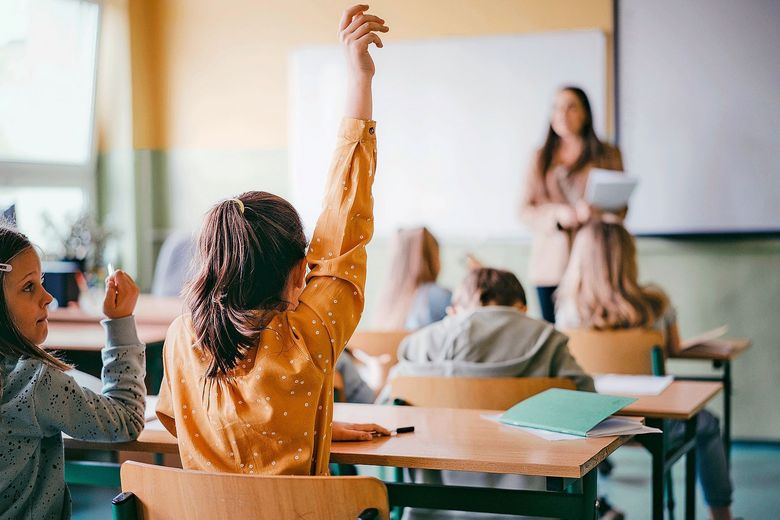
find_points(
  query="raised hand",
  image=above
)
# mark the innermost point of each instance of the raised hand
(357, 31)
(121, 295)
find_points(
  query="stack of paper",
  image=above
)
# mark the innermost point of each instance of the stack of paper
(621, 384)
(573, 414)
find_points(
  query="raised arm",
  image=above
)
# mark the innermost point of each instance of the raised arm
(332, 302)
(117, 413)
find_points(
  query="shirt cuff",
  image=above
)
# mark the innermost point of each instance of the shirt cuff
(357, 129)
(121, 332)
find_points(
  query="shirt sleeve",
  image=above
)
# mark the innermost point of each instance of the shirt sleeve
(116, 414)
(564, 365)
(332, 302)
(540, 216)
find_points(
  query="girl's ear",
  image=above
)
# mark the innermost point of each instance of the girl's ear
(520, 307)
(300, 270)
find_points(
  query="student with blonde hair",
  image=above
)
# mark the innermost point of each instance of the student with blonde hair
(601, 290)
(411, 298)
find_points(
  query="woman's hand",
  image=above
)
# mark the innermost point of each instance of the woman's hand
(121, 295)
(357, 31)
(356, 432)
(566, 217)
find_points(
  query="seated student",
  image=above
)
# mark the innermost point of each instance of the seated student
(350, 385)
(600, 290)
(38, 401)
(248, 383)
(411, 298)
(487, 334)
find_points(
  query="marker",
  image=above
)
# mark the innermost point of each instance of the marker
(403, 429)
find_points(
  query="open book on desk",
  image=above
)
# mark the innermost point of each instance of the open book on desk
(704, 337)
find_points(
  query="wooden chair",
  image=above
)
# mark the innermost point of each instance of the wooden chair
(627, 351)
(157, 493)
(495, 393)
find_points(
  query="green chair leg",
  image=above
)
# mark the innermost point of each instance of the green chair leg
(125, 507)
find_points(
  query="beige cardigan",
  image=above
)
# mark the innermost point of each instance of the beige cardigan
(550, 246)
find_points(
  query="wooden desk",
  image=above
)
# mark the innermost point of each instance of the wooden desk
(149, 310)
(681, 401)
(451, 439)
(91, 337)
(720, 352)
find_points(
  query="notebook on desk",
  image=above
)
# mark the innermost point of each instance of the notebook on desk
(564, 411)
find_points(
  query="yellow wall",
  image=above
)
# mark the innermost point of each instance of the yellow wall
(214, 74)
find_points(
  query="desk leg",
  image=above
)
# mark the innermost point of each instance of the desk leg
(589, 495)
(727, 409)
(655, 443)
(690, 470)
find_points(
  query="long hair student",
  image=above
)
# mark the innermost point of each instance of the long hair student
(248, 385)
(601, 284)
(410, 298)
(39, 401)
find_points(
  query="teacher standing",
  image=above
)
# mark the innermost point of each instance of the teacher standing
(553, 205)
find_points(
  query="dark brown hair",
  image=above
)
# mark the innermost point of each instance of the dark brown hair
(592, 148)
(13, 344)
(490, 286)
(247, 250)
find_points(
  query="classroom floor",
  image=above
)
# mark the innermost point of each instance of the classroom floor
(756, 473)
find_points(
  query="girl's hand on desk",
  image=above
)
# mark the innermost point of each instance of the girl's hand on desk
(121, 296)
(357, 31)
(356, 432)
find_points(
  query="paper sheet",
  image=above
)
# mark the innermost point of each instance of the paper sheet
(621, 384)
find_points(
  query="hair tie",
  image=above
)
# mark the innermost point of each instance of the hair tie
(5, 268)
(611, 218)
(240, 205)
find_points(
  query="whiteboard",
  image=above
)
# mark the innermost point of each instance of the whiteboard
(699, 109)
(457, 123)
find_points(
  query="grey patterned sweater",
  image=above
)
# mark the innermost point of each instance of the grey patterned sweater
(39, 403)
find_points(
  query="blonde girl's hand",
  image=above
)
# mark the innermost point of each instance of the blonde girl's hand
(121, 295)
(357, 31)
(343, 432)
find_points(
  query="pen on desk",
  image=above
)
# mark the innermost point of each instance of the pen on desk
(403, 429)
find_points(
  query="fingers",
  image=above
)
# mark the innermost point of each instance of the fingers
(369, 38)
(349, 14)
(361, 25)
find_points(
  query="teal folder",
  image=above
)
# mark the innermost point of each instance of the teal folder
(564, 411)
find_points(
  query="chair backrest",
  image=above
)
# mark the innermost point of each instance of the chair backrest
(174, 265)
(626, 351)
(164, 493)
(490, 393)
(376, 343)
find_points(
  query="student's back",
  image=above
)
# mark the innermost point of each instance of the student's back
(488, 335)
(490, 341)
(248, 385)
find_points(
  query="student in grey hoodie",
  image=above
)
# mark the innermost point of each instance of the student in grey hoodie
(486, 334)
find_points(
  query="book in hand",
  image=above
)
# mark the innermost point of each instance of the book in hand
(564, 411)
(609, 190)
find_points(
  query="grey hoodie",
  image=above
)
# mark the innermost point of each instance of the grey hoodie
(493, 341)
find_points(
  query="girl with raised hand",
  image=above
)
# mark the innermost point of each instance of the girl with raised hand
(248, 384)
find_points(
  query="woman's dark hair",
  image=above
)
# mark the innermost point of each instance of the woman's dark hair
(592, 146)
(490, 286)
(13, 344)
(247, 248)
